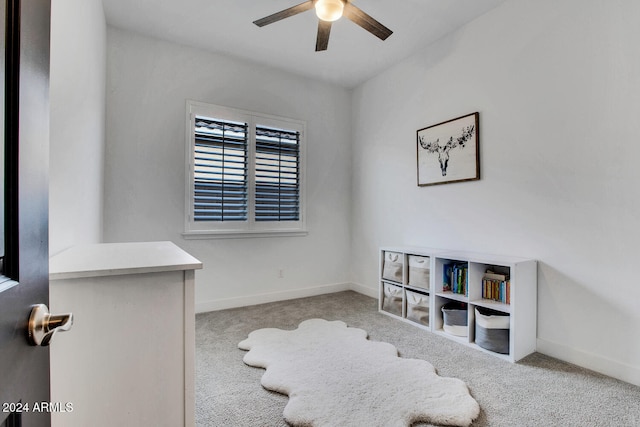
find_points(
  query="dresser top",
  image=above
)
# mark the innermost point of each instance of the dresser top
(111, 259)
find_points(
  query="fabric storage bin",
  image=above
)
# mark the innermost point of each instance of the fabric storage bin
(392, 266)
(492, 330)
(418, 307)
(419, 271)
(392, 299)
(455, 318)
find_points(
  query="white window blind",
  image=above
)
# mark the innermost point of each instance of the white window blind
(246, 173)
(220, 170)
(277, 172)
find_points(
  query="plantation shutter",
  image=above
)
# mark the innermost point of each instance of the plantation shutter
(277, 174)
(220, 170)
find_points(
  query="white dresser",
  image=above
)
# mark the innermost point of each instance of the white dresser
(129, 358)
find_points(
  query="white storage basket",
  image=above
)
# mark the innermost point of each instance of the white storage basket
(492, 330)
(419, 271)
(418, 307)
(392, 267)
(455, 319)
(392, 299)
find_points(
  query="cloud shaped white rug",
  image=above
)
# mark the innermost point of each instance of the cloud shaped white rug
(335, 376)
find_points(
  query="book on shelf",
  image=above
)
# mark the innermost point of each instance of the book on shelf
(455, 278)
(496, 287)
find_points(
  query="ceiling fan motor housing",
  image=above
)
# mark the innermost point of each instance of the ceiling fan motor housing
(329, 10)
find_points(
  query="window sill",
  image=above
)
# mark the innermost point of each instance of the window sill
(208, 234)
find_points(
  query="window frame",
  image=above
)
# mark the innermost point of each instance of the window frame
(249, 228)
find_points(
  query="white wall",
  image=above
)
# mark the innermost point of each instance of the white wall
(556, 85)
(77, 99)
(149, 82)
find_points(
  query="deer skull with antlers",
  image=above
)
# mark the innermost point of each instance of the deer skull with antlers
(443, 150)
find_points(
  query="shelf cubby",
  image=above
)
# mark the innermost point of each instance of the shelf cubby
(417, 306)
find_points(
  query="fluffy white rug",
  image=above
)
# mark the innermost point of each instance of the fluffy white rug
(335, 376)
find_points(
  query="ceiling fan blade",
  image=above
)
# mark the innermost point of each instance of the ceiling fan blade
(362, 19)
(324, 29)
(294, 10)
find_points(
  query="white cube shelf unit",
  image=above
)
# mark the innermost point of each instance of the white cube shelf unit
(413, 289)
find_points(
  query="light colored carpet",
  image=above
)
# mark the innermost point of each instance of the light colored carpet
(335, 376)
(537, 391)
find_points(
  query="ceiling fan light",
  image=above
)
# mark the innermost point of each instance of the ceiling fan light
(329, 10)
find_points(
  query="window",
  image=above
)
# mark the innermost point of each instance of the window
(245, 173)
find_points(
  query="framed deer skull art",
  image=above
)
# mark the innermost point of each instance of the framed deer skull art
(449, 151)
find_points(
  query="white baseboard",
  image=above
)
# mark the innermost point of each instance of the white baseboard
(364, 290)
(222, 304)
(594, 362)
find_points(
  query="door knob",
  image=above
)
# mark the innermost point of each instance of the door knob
(42, 324)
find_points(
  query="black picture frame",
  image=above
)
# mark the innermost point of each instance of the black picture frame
(449, 151)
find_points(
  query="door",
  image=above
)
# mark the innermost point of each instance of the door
(24, 369)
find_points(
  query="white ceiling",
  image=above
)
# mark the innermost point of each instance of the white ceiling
(354, 55)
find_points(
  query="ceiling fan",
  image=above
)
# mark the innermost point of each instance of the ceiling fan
(329, 11)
